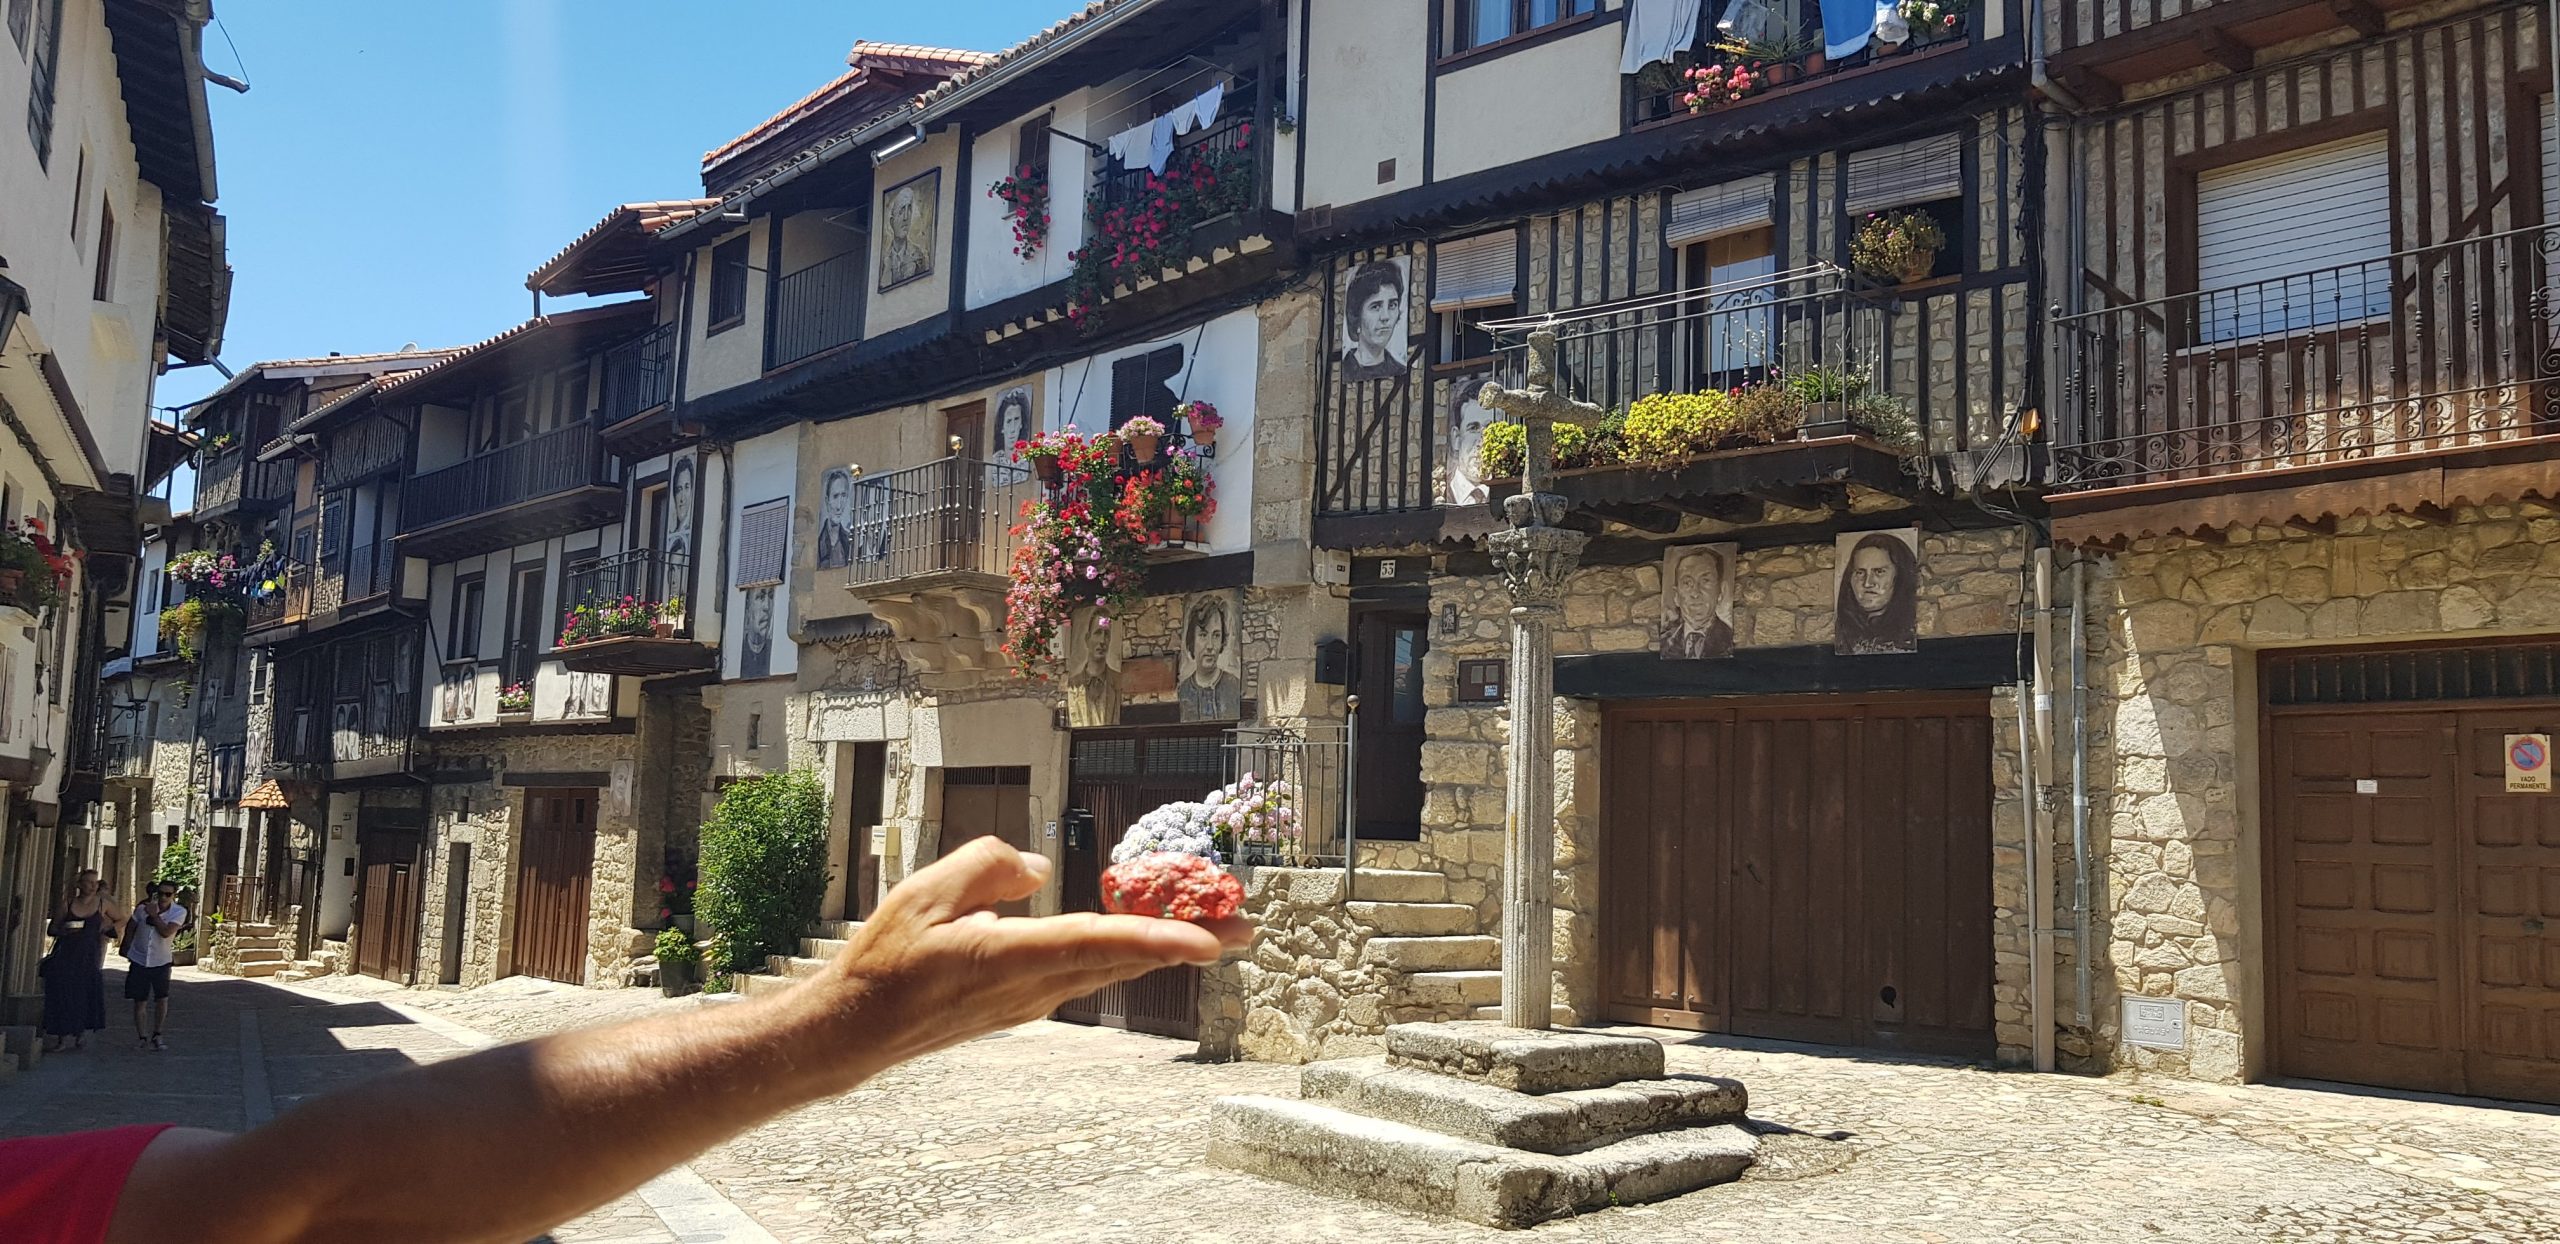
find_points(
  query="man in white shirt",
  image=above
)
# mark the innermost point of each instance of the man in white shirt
(148, 953)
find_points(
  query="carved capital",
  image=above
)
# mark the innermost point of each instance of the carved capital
(1535, 561)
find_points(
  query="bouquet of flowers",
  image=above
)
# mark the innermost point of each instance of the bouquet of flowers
(1181, 827)
(1168, 865)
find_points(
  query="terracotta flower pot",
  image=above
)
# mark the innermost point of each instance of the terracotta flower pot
(1143, 447)
(662, 629)
(1815, 62)
(1883, 48)
(1918, 267)
(11, 579)
(1780, 72)
(1203, 437)
(1046, 467)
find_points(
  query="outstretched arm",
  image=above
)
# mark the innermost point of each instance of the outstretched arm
(504, 1144)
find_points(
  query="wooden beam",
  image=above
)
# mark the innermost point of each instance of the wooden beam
(2220, 47)
(1662, 520)
(2359, 15)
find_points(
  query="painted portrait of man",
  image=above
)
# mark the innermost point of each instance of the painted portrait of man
(1697, 602)
(835, 519)
(680, 482)
(1878, 610)
(1374, 342)
(908, 215)
(1013, 422)
(1468, 418)
(755, 648)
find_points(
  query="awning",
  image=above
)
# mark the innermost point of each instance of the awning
(268, 797)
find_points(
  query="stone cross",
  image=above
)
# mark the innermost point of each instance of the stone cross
(1536, 556)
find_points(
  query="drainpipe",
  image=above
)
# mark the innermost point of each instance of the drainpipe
(2037, 78)
(2081, 952)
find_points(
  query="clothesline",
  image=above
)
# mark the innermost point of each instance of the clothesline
(1151, 141)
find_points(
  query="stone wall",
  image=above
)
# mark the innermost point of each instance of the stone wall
(1783, 596)
(1305, 989)
(2175, 833)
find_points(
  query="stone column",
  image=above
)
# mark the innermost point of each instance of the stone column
(1535, 561)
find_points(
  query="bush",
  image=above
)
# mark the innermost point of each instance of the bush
(764, 867)
(1826, 384)
(674, 947)
(1506, 447)
(181, 865)
(1887, 420)
(1670, 426)
(1768, 413)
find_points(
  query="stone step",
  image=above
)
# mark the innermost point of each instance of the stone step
(1433, 954)
(1398, 885)
(1560, 1016)
(267, 942)
(1524, 1061)
(760, 986)
(822, 947)
(1335, 1151)
(792, 966)
(292, 976)
(1473, 988)
(1415, 919)
(834, 930)
(269, 955)
(1562, 1122)
(252, 971)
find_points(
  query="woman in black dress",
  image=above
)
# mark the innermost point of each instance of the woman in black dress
(75, 990)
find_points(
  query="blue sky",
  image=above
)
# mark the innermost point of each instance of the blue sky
(396, 169)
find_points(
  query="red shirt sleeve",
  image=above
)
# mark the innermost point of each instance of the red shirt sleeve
(64, 1189)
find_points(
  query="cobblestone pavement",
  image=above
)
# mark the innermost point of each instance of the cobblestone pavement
(1052, 1132)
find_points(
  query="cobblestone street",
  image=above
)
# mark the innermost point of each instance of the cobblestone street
(1053, 1132)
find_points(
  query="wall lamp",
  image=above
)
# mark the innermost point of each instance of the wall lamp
(898, 148)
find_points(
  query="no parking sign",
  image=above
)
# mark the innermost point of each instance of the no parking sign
(2528, 764)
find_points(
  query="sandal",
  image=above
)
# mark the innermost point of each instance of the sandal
(159, 1042)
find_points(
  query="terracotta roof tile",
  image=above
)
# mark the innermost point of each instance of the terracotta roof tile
(865, 59)
(648, 217)
(1092, 10)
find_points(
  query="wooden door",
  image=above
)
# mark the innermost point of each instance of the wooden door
(527, 627)
(1386, 674)
(862, 868)
(2412, 901)
(554, 866)
(979, 802)
(1808, 869)
(387, 922)
(964, 488)
(1114, 776)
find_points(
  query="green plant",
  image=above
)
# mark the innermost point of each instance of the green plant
(1025, 195)
(1667, 427)
(1768, 413)
(1505, 449)
(1826, 384)
(764, 866)
(189, 622)
(1897, 246)
(607, 619)
(42, 568)
(674, 947)
(1144, 228)
(1783, 44)
(180, 865)
(1887, 420)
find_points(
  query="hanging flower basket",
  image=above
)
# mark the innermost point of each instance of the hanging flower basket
(1897, 246)
(1202, 421)
(1144, 434)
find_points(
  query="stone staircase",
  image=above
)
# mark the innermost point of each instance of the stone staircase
(1493, 1125)
(1449, 969)
(322, 963)
(262, 951)
(819, 944)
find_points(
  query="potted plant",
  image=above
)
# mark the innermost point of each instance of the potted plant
(515, 700)
(670, 616)
(1717, 83)
(679, 963)
(1783, 56)
(628, 617)
(1143, 433)
(1044, 451)
(1201, 421)
(1930, 20)
(1901, 247)
(1025, 195)
(1074, 549)
(33, 570)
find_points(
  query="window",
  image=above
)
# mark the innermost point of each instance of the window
(1479, 22)
(103, 286)
(1924, 175)
(1031, 145)
(764, 542)
(728, 283)
(1473, 280)
(1143, 385)
(47, 40)
(2294, 241)
(1733, 325)
(470, 604)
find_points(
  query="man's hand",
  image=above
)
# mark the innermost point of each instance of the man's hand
(935, 966)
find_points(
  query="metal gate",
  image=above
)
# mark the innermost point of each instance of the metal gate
(1813, 868)
(1113, 777)
(554, 864)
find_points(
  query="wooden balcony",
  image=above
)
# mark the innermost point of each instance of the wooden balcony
(2099, 49)
(2417, 362)
(347, 708)
(552, 484)
(931, 550)
(651, 576)
(230, 481)
(817, 309)
(281, 613)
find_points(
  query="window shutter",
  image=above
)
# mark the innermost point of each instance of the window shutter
(337, 514)
(1920, 171)
(1143, 385)
(1479, 271)
(1128, 389)
(1730, 207)
(2550, 167)
(764, 542)
(2278, 240)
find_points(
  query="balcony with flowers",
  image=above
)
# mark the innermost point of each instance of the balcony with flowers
(35, 572)
(1111, 506)
(629, 617)
(1759, 50)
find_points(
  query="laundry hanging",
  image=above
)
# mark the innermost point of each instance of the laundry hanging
(1849, 25)
(1658, 30)
(1151, 142)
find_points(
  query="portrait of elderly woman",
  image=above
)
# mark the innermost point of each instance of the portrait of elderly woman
(908, 214)
(1878, 609)
(1697, 602)
(1373, 321)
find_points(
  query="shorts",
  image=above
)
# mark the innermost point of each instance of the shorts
(143, 984)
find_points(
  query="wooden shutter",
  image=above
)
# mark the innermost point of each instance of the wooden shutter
(764, 542)
(1143, 385)
(1923, 170)
(2289, 242)
(2550, 166)
(1480, 271)
(1728, 207)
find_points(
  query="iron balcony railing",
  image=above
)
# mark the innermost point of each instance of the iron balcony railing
(817, 308)
(289, 602)
(230, 477)
(647, 574)
(1656, 92)
(1315, 760)
(1226, 153)
(2441, 347)
(1821, 319)
(954, 515)
(365, 572)
(126, 756)
(639, 375)
(554, 462)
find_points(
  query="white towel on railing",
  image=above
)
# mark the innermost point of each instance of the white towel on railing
(1202, 111)
(1658, 30)
(1152, 139)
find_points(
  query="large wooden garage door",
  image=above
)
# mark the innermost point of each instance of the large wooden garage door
(2414, 904)
(554, 868)
(1812, 869)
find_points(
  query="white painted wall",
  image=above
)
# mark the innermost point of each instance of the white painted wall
(766, 469)
(735, 355)
(337, 882)
(922, 297)
(1481, 116)
(995, 272)
(1221, 360)
(1365, 76)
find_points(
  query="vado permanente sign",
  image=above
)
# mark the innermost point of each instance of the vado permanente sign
(2528, 764)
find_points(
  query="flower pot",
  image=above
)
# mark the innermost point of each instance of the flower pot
(676, 977)
(662, 629)
(1203, 437)
(1883, 48)
(1780, 72)
(1815, 62)
(1918, 267)
(11, 580)
(1142, 448)
(1046, 467)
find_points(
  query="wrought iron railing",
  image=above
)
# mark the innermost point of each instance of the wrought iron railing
(1804, 322)
(639, 375)
(125, 756)
(289, 602)
(1656, 92)
(650, 575)
(554, 462)
(1226, 150)
(1315, 760)
(818, 308)
(2442, 347)
(947, 516)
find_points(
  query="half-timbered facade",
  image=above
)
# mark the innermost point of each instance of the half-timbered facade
(2302, 450)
